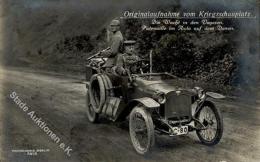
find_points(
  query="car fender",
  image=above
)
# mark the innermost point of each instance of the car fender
(146, 101)
(200, 105)
(215, 95)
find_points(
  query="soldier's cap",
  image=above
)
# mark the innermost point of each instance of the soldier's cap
(115, 22)
(129, 42)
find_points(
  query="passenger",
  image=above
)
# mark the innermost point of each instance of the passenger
(127, 61)
(115, 44)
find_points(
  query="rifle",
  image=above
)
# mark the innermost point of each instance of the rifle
(97, 53)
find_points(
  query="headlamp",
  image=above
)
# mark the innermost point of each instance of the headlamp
(200, 92)
(161, 98)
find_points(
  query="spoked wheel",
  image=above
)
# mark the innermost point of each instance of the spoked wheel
(141, 130)
(91, 114)
(211, 118)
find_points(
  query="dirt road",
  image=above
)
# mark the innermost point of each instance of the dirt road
(59, 100)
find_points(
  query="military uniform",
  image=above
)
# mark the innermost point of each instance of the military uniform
(116, 46)
(127, 61)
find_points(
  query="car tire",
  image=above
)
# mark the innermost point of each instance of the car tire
(97, 93)
(219, 124)
(146, 119)
(91, 114)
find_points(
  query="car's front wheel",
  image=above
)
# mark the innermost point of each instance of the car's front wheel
(141, 129)
(91, 114)
(210, 117)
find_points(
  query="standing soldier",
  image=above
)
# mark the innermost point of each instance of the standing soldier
(115, 44)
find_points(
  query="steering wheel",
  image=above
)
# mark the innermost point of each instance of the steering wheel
(142, 65)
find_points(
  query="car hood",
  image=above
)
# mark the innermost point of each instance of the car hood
(162, 86)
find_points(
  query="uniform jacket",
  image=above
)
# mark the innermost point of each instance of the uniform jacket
(116, 47)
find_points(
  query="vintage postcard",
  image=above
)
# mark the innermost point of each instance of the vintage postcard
(129, 81)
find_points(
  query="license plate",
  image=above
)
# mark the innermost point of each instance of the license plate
(180, 130)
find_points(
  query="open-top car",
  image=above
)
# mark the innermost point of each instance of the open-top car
(152, 103)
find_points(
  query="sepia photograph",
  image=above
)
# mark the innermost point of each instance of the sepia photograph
(129, 81)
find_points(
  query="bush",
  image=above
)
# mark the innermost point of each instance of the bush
(205, 56)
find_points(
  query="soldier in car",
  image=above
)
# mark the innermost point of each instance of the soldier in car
(127, 61)
(115, 41)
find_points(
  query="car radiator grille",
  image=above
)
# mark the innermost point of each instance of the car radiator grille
(177, 106)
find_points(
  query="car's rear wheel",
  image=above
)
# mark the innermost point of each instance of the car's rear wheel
(211, 118)
(91, 114)
(141, 129)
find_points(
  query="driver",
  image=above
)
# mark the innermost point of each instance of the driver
(128, 60)
(115, 44)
